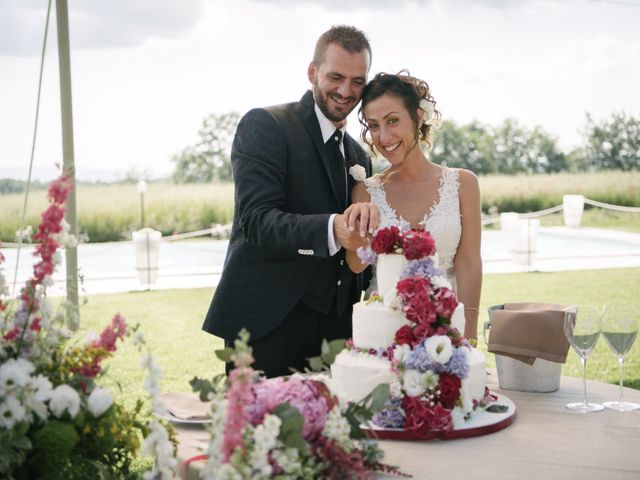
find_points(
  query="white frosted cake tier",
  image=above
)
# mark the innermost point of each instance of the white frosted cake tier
(375, 325)
(388, 270)
(355, 374)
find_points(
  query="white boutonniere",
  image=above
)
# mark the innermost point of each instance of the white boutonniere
(358, 173)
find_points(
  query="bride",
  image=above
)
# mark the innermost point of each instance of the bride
(397, 115)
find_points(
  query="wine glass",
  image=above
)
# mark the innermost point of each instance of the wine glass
(620, 328)
(582, 328)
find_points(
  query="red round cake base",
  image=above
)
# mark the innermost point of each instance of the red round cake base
(481, 423)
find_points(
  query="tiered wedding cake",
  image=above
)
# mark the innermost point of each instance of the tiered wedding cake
(409, 335)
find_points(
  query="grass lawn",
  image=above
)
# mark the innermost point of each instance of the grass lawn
(171, 321)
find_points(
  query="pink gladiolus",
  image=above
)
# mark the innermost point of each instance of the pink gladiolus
(112, 333)
(59, 189)
(239, 397)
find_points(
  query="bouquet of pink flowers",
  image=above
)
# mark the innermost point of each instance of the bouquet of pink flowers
(286, 428)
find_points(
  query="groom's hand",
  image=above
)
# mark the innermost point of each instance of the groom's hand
(362, 217)
(347, 238)
(353, 228)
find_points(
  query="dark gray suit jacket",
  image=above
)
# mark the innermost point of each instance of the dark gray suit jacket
(278, 254)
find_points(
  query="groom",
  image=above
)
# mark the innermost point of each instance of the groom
(285, 277)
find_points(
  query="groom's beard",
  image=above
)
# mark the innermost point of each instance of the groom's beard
(322, 100)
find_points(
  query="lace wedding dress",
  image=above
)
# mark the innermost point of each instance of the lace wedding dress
(442, 219)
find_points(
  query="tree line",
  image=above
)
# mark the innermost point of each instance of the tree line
(508, 148)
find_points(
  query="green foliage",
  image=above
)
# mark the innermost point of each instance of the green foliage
(329, 350)
(9, 185)
(14, 447)
(53, 443)
(208, 388)
(360, 413)
(612, 144)
(520, 150)
(508, 148)
(466, 146)
(291, 429)
(209, 159)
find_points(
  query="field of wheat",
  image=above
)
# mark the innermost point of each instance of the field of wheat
(111, 212)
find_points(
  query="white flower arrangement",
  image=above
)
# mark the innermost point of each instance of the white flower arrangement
(54, 418)
(358, 173)
(99, 401)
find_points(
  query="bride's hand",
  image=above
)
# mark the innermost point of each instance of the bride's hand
(362, 216)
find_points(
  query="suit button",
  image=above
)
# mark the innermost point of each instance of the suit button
(341, 262)
(339, 282)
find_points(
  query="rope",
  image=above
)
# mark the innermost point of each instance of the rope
(541, 213)
(219, 229)
(181, 236)
(33, 148)
(490, 220)
(609, 206)
(557, 208)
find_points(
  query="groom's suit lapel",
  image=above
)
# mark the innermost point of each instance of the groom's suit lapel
(310, 121)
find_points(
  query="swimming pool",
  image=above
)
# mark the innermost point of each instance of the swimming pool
(110, 267)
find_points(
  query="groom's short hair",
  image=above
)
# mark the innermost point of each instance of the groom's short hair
(349, 38)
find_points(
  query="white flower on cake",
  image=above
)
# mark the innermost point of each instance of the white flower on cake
(358, 173)
(441, 282)
(431, 379)
(401, 353)
(99, 401)
(414, 383)
(395, 388)
(439, 348)
(65, 399)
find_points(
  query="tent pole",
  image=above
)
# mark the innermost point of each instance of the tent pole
(68, 165)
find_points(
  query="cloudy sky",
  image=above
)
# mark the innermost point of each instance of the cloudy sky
(146, 73)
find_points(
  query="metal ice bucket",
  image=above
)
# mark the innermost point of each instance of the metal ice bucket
(541, 377)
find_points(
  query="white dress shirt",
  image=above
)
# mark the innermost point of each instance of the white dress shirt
(327, 128)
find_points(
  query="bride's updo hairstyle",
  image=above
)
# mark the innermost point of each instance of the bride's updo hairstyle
(413, 92)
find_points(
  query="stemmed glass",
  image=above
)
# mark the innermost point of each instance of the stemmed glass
(582, 328)
(620, 328)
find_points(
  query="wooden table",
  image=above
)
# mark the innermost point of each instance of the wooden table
(546, 441)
